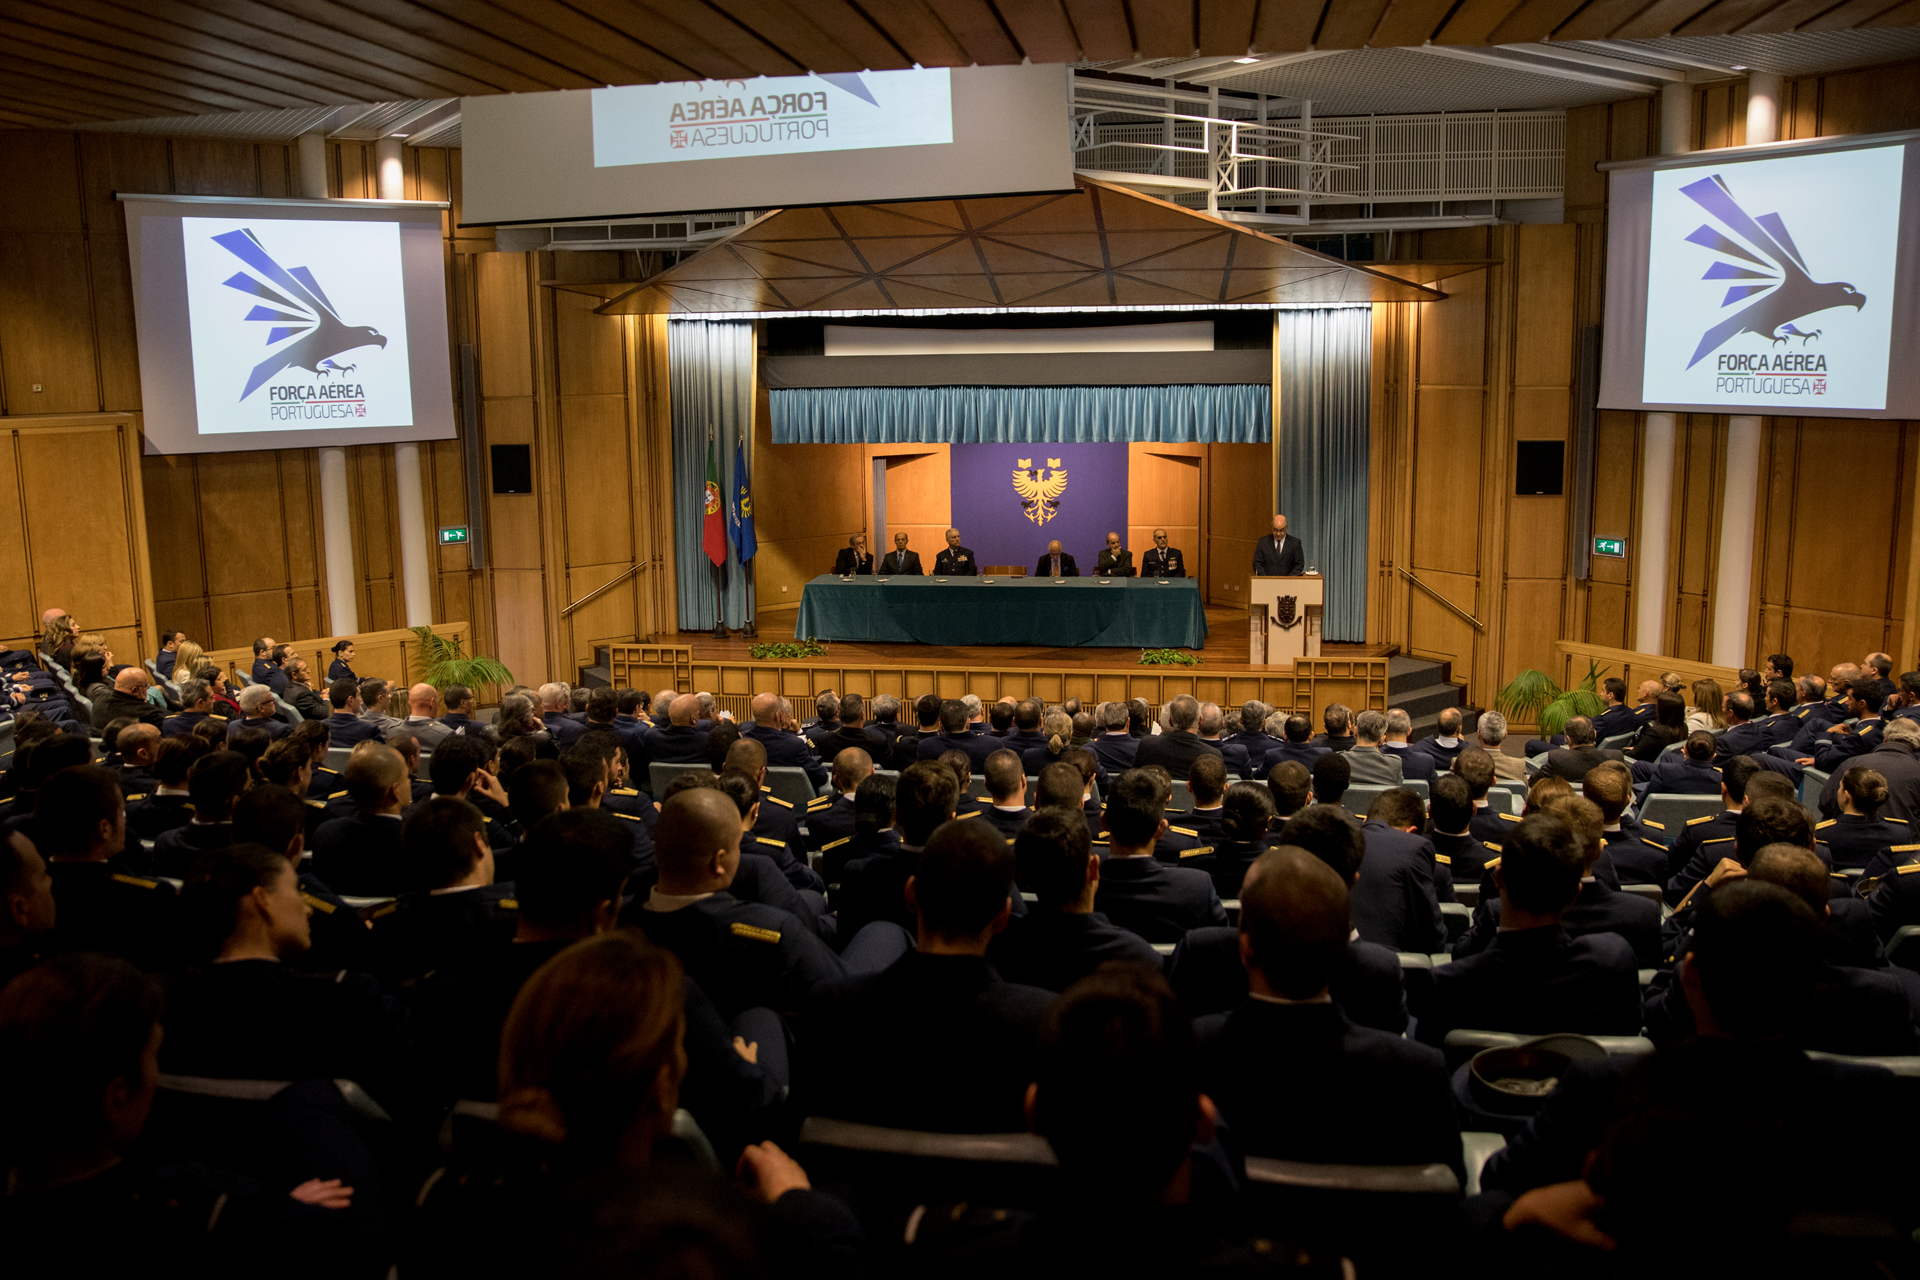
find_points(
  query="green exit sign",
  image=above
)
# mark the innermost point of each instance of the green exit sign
(1615, 547)
(453, 534)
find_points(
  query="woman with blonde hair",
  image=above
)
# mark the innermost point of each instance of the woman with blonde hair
(1709, 706)
(56, 639)
(186, 659)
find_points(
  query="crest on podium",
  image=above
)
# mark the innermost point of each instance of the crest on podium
(1287, 609)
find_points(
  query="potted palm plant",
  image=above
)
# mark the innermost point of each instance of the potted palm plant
(443, 661)
(1532, 697)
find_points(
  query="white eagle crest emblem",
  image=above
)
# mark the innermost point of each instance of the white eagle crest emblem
(1039, 492)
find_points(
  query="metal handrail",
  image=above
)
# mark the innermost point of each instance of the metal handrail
(604, 588)
(1463, 614)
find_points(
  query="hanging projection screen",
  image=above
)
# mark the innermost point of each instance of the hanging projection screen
(770, 142)
(289, 324)
(1777, 279)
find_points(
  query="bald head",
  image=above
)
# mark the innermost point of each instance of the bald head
(851, 768)
(766, 709)
(137, 742)
(422, 700)
(749, 757)
(50, 615)
(1053, 548)
(685, 709)
(131, 680)
(697, 841)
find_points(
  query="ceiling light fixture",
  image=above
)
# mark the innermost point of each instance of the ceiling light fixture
(1735, 66)
(1244, 61)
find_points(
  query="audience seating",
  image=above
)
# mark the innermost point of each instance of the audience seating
(337, 757)
(1616, 742)
(885, 1172)
(662, 774)
(1651, 892)
(1477, 1146)
(1903, 948)
(1351, 1204)
(790, 783)
(1675, 811)
(1508, 795)
(1463, 1043)
(1458, 917)
(1360, 797)
(1812, 782)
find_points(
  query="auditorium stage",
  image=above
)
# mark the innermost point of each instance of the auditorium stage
(1226, 648)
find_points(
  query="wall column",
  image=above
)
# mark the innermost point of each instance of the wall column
(416, 583)
(1764, 92)
(1651, 591)
(343, 592)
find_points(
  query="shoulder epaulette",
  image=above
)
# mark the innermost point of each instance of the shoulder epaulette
(1195, 853)
(1822, 826)
(508, 904)
(1496, 848)
(1903, 870)
(141, 796)
(336, 795)
(1655, 843)
(1903, 848)
(784, 804)
(1510, 817)
(1490, 864)
(324, 769)
(616, 813)
(1717, 840)
(1184, 831)
(964, 816)
(321, 905)
(778, 844)
(1901, 821)
(137, 882)
(836, 844)
(820, 802)
(380, 913)
(1443, 859)
(317, 804)
(1706, 817)
(1657, 826)
(626, 791)
(212, 716)
(753, 931)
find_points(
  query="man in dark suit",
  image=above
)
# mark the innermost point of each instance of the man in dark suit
(1115, 561)
(1578, 758)
(1177, 748)
(900, 560)
(361, 855)
(345, 727)
(1535, 978)
(1296, 744)
(1396, 898)
(954, 736)
(1115, 748)
(1056, 563)
(680, 742)
(854, 557)
(1377, 1098)
(1163, 561)
(1063, 938)
(1414, 764)
(1450, 827)
(851, 731)
(1137, 892)
(784, 749)
(129, 698)
(1279, 555)
(936, 1041)
(956, 561)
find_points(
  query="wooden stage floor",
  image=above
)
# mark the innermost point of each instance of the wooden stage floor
(1226, 648)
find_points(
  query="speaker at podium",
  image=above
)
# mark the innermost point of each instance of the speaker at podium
(1284, 618)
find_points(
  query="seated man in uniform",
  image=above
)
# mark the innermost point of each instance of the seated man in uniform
(1163, 561)
(1138, 892)
(1396, 901)
(1064, 938)
(1007, 794)
(936, 1041)
(956, 561)
(1377, 1099)
(81, 829)
(453, 912)
(361, 855)
(214, 784)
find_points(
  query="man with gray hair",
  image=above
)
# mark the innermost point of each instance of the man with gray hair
(976, 714)
(257, 708)
(826, 717)
(886, 719)
(1413, 764)
(1212, 721)
(1177, 748)
(1897, 759)
(375, 697)
(1580, 756)
(1492, 731)
(785, 749)
(1114, 747)
(556, 707)
(1253, 736)
(1370, 766)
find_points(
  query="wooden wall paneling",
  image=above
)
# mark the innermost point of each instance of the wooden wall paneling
(1390, 466)
(1503, 292)
(1238, 513)
(83, 567)
(549, 476)
(19, 613)
(376, 551)
(1869, 100)
(649, 402)
(1693, 557)
(514, 550)
(110, 163)
(1163, 491)
(1616, 514)
(808, 499)
(1537, 598)
(47, 362)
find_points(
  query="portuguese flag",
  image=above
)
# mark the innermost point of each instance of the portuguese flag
(713, 534)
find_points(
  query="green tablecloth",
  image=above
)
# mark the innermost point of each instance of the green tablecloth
(1120, 612)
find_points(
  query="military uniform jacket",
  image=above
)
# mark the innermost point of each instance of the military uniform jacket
(1754, 736)
(261, 1020)
(1163, 564)
(873, 888)
(175, 851)
(1833, 750)
(1302, 753)
(787, 750)
(789, 858)
(1226, 863)
(1675, 775)
(829, 818)
(1615, 721)
(1895, 900)
(344, 730)
(1207, 975)
(1415, 765)
(742, 954)
(677, 744)
(135, 781)
(341, 939)
(1683, 855)
(1158, 902)
(422, 932)
(1859, 1012)
(360, 856)
(1055, 949)
(1175, 752)
(1115, 751)
(1858, 841)
(149, 815)
(1895, 761)
(1633, 859)
(1538, 981)
(976, 747)
(101, 906)
(1008, 822)
(931, 1042)
(1395, 900)
(956, 563)
(176, 726)
(830, 745)
(1464, 858)
(1376, 1098)
(1815, 723)
(1598, 909)
(1192, 831)
(274, 729)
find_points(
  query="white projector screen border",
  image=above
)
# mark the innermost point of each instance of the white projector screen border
(1630, 200)
(170, 417)
(529, 158)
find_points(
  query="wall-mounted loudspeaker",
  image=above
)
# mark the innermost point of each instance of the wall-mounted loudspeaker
(1539, 467)
(513, 468)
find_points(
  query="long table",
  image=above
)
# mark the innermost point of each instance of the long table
(1118, 612)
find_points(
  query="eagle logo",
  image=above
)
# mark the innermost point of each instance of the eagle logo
(1039, 492)
(297, 307)
(1763, 261)
(1288, 609)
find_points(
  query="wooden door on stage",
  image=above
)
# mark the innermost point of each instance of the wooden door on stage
(1163, 492)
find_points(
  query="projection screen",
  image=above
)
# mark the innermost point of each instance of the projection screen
(1775, 279)
(289, 324)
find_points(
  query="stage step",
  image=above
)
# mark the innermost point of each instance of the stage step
(1423, 690)
(599, 676)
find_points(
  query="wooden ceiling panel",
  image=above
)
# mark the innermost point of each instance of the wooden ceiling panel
(1079, 291)
(1724, 17)
(1349, 24)
(564, 37)
(1288, 26)
(979, 31)
(1104, 32)
(1005, 256)
(944, 291)
(1040, 29)
(819, 259)
(1007, 215)
(1660, 17)
(886, 253)
(58, 52)
(1600, 19)
(1164, 25)
(1474, 20)
(1201, 247)
(1853, 13)
(1409, 22)
(954, 256)
(1057, 249)
(824, 35)
(1226, 27)
(1536, 20)
(795, 224)
(913, 27)
(934, 217)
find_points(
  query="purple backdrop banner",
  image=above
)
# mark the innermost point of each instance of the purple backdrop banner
(1010, 500)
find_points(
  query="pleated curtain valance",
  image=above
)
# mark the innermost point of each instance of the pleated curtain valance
(1233, 414)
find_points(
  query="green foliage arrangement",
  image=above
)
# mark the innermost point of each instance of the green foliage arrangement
(808, 648)
(1532, 697)
(1168, 658)
(442, 661)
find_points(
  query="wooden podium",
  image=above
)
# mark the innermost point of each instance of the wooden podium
(1284, 616)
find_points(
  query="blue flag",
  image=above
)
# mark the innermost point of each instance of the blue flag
(740, 506)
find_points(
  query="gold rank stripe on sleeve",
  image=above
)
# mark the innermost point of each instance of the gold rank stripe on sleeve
(1707, 817)
(1657, 826)
(1195, 853)
(625, 791)
(141, 796)
(1509, 817)
(1184, 831)
(974, 814)
(138, 882)
(1717, 840)
(778, 844)
(1490, 864)
(321, 905)
(1903, 848)
(1655, 843)
(784, 804)
(1903, 870)
(380, 913)
(753, 932)
(508, 904)
(1496, 848)
(1830, 822)
(336, 795)
(836, 844)
(1443, 859)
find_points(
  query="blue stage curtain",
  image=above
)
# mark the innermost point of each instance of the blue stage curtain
(710, 370)
(1224, 414)
(1326, 364)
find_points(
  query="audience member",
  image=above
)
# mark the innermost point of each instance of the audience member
(1063, 938)
(1396, 899)
(1138, 892)
(361, 855)
(1243, 837)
